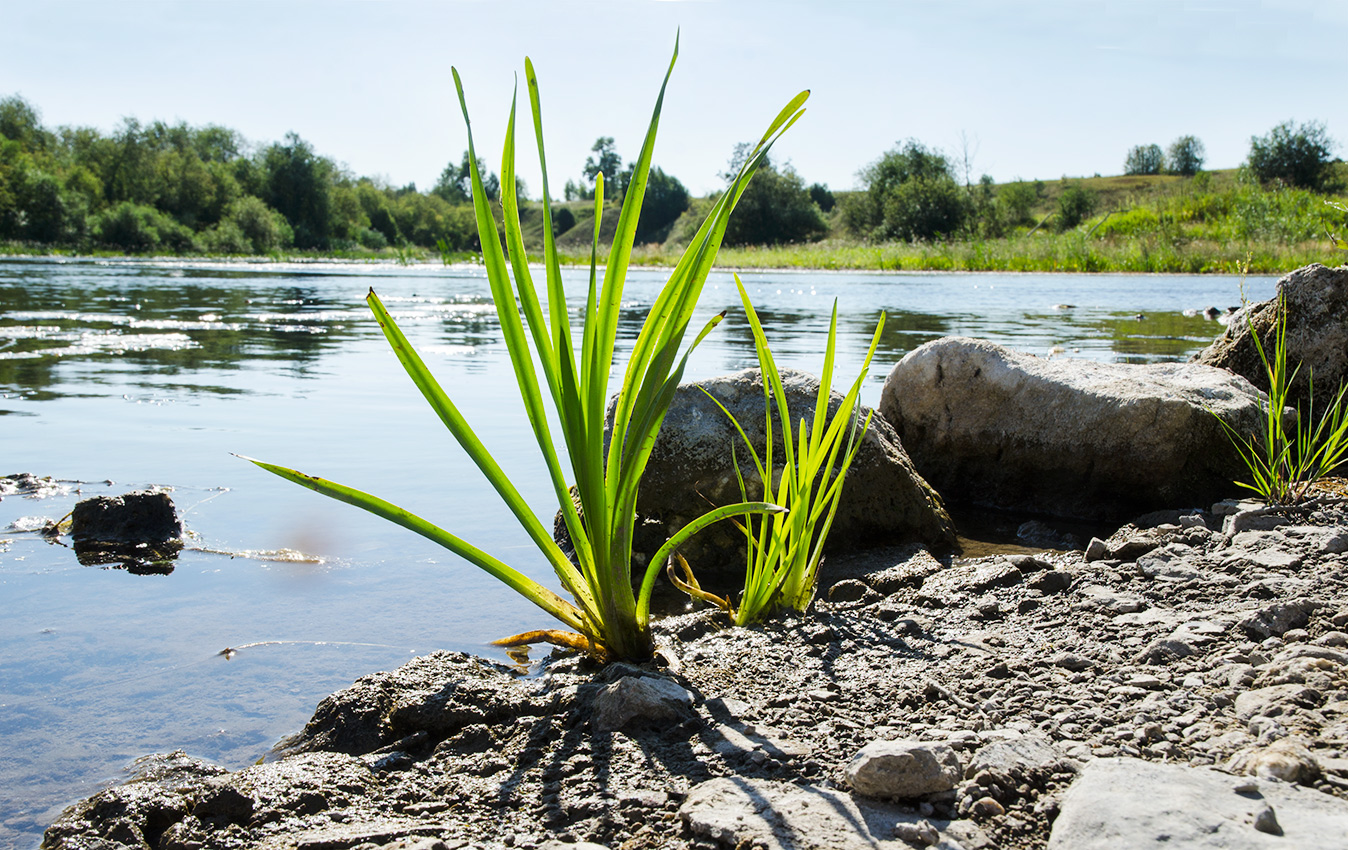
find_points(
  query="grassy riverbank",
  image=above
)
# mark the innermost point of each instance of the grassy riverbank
(1069, 252)
(1212, 223)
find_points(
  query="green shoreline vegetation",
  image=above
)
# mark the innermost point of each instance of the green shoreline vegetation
(204, 192)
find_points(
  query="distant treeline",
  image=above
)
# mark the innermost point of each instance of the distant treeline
(180, 189)
(161, 188)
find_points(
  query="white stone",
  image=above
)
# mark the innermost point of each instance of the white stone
(644, 698)
(903, 769)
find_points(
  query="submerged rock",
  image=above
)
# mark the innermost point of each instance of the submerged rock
(692, 469)
(143, 516)
(1070, 438)
(30, 485)
(139, 530)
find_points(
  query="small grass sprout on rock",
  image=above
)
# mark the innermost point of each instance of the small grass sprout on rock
(1284, 461)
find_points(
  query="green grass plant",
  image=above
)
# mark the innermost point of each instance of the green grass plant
(1284, 462)
(785, 549)
(605, 616)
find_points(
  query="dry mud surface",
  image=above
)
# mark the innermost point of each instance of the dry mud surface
(1174, 648)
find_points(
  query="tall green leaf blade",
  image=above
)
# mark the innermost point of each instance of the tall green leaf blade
(453, 420)
(525, 586)
(615, 271)
(652, 354)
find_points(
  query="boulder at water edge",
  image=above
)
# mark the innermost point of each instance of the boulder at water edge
(1317, 334)
(692, 470)
(1070, 438)
(140, 531)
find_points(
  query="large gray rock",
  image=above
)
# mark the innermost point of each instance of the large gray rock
(691, 470)
(1130, 804)
(1071, 438)
(1317, 333)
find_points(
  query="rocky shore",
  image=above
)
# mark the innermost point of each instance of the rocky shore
(1184, 681)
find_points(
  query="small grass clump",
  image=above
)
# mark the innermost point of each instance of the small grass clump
(1285, 462)
(785, 549)
(605, 616)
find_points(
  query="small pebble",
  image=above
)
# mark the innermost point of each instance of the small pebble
(920, 834)
(1267, 821)
(987, 807)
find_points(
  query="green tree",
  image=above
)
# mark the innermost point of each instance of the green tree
(1015, 203)
(450, 187)
(21, 122)
(129, 173)
(456, 184)
(822, 197)
(983, 212)
(574, 191)
(1075, 204)
(562, 220)
(1144, 159)
(1185, 156)
(79, 180)
(427, 219)
(214, 143)
(349, 224)
(775, 208)
(49, 215)
(665, 200)
(376, 203)
(193, 191)
(1294, 156)
(139, 229)
(910, 194)
(264, 228)
(608, 163)
(299, 186)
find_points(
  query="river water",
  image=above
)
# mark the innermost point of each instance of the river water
(118, 375)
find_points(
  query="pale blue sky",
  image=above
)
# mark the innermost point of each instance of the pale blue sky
(1038, 88)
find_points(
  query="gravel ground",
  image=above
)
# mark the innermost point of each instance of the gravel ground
(1195, 639)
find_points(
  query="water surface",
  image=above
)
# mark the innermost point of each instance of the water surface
(147, 373)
